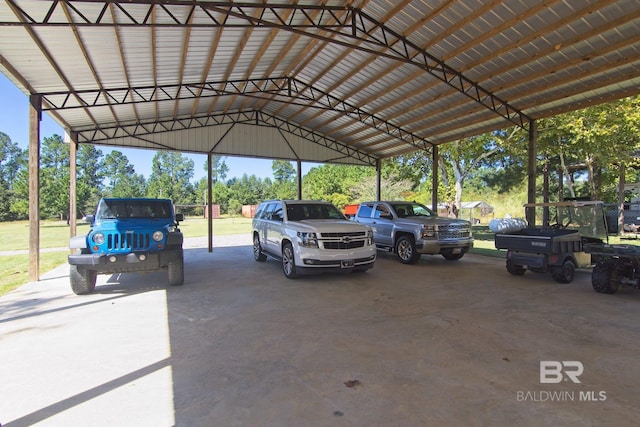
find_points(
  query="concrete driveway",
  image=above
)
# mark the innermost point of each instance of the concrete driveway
(437, 343)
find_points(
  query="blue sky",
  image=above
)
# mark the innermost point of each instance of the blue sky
(14, 121)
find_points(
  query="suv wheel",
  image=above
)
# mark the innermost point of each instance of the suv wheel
(288, 261)
(406, 250)
(82, 281)
(257, 249)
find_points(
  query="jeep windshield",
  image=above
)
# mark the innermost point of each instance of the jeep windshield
(121, 209)
(404, 210)
(300, 212)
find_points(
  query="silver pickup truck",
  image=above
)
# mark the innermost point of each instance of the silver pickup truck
(410, 229)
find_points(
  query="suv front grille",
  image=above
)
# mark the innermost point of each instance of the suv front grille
(343, 241)
(128, 241)
(454, 232)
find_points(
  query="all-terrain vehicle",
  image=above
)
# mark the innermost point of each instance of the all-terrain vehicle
(127, 235)
(615, 265)
(558, 248)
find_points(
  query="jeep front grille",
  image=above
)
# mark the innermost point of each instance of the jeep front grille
(128, 241)
(343, 241)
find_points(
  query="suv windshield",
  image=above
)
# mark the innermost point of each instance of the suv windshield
(112, 209)
(404, 210)
(299, 212)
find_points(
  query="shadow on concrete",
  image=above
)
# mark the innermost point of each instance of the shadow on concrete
(436, 343)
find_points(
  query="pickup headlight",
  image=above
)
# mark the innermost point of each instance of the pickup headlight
(157, 236)
(428, 231)
(308, 240)
(369, 237)
(98, 238)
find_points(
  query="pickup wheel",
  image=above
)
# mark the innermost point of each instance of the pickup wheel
(82, 281)
(288, 261)
(564, 273)
(257, 249)
(516, 270)
(450, 256)
(605, 279)
(406, 250)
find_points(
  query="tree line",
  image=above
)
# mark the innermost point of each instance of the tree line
(580, 154)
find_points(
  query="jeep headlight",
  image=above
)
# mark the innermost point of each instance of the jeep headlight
(158, 236)
(98, 238)
(428, 231)
(308, 240)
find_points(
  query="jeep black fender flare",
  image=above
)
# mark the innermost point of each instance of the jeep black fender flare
(175, 239)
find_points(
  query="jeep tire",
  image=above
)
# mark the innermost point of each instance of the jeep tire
(175, 270)
(82, 281)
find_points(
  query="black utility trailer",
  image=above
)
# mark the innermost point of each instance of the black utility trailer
(615, 265)
(557, 248)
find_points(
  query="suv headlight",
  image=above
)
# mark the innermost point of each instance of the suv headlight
(369, 237)
(308, 240)
(98, 238)
(428, 231)
(157, 236)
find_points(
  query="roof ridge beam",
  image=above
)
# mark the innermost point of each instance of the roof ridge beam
(138, 130)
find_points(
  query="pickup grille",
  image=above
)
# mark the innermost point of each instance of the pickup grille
(128, 241)
(343, 241)
(454, 232)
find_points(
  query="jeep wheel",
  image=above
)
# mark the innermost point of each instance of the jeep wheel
(288, 261)
(406, 250)
(82, 281)
(564, 273)
(605, 278)
(175, 270)
(450, 256)
(514, 269)
(257, 249)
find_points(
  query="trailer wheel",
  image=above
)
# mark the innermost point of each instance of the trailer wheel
(605, 278)
(516, 270)
(564, 273)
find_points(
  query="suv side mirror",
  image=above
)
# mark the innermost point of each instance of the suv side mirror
(89, 218)
(179, 217)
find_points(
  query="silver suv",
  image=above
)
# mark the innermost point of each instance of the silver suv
(311, 236)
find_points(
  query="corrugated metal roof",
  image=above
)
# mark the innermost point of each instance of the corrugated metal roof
(340, 81)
